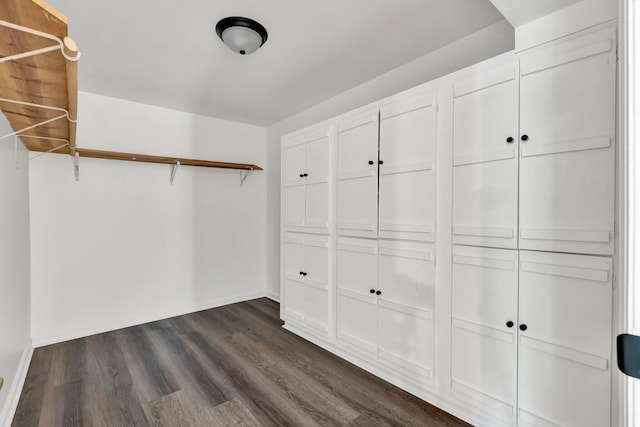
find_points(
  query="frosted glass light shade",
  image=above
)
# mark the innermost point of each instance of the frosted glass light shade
(241, 35)
(242, 40)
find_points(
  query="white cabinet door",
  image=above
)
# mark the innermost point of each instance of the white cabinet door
(293, 184)
(408, 136)
(305, 291)
(357, 173)
(484, 330)
(316, 281)
(357, 281)
(317, 181)
(567, 175)
(293, 299)
(406, 285)
(564, 365)
(485, 158)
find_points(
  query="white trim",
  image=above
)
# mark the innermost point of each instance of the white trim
(424, 392)
(273, 296)
(625, 195)
(11, 404)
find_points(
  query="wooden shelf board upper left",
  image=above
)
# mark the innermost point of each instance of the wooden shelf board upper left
(40, 79)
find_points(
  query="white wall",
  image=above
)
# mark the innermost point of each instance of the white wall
(486, 43)
(122, 246)
(15, 342)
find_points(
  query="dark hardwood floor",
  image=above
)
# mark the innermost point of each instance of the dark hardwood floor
(232, 365)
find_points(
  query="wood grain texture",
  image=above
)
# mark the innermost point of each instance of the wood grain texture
(148, 158)
(40, 79)
(232, 365)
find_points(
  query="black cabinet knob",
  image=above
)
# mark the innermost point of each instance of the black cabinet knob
(302, 273)
(523, 327)
(370, 162)
(378, 292)
(510, 139)
(301, 175)
(305, 174)
(380, 162)
(524, 137)
(372, 291)
(509, 324)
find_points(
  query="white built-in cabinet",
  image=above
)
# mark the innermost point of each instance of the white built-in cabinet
(386, 185)
(306, 281)
(531, 334)
(306, 161)
(534, 151)
(525, 145)
(485, 157)
(385, 303)
(307, 212)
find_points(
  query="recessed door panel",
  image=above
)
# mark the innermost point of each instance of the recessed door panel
(565, 362)
(484, 347)
(294, 161)
(576, 293)
(485, 158)
(294, 207)
(407, 205)
(357, 265)
(317, 157)
(316, 258)
(406, 340)
(357, 321)
(406, 274)
(485, 287)
(358, 207)
(567, 166)
(483, 369)
(408, 134)
(294, 303)
(358, 145)
(316, 308)
(317, 208)
(357, 200)
(485, 200)
(294, 256)
(556, 388)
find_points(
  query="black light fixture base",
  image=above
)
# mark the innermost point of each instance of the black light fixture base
(239, 21)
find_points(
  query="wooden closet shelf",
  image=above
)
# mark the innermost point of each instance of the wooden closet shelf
(114, 155)
(46, 79)
(43, 87)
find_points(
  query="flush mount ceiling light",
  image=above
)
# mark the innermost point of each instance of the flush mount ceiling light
(241, 35)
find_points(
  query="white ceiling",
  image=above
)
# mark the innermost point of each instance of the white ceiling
(167, 53)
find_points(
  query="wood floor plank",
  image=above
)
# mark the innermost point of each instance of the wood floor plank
(319, 402)
(253, 384)
(173, 410)
(187, 369)
(150, 378)
(109, 388)
(28, 414)
(232, 413)
(233, 365)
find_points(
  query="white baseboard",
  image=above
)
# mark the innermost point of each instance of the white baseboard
(454, 408)
(10, 406)
(138, 319)
(273, 296)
